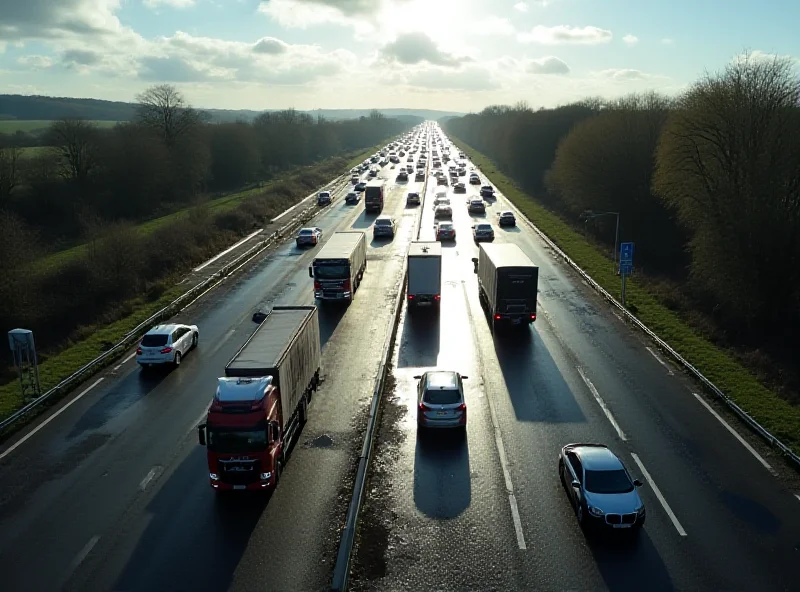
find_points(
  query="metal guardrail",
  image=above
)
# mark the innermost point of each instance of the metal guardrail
(341, 571)
(664, 346)
(168, 311)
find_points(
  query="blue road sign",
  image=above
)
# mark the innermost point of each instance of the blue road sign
(626, 268)
(626, 253)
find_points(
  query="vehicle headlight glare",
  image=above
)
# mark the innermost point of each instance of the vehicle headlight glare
(265, 476)
(213, 476)
(595, 511)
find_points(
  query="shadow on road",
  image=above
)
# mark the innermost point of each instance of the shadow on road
(364, 220)
(442, 485)
(381, 241)
(419, 340)
(628, 563)
(219, 531)
(535, 385)
(329, 316)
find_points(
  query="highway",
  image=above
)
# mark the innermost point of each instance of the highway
(113, 493)
(489, 513)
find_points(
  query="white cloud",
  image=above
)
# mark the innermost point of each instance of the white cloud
(564, 34)
(547, 65)
(45, 19)
(307, 13)
(494, 25)
(667, 41)
(521, 6)
(172, 3)
(630, 40)
(36, 62)
(413, 48)
(623, 74)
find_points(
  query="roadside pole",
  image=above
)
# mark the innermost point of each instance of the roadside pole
(625, 265)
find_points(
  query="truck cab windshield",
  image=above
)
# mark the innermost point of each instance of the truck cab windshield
(235, 441)
(331, 272)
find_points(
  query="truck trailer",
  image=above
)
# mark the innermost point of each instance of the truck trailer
(339, 266)
(424, 281)
(508, 283)
(262, 401)
(374, 196)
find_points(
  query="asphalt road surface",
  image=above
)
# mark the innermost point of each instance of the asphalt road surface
(489, 513)
(113, 493)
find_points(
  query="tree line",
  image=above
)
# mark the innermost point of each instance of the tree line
(92, 186)
(707, 184)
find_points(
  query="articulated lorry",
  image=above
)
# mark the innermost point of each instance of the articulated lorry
(508, 283)
(262, 401)
(424, 282)
(339, 266)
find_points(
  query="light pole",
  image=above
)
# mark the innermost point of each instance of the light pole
(590, 215)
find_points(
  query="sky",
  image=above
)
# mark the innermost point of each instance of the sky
(455, 55)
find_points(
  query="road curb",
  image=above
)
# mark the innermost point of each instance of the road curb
(341, 571)
(628, 316)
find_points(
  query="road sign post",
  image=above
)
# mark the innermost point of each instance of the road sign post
(625, 264)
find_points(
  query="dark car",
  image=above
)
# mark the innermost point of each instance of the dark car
(459, 188)
(413, 199)
(352, 198)
(442, 180)
(373, 173)
(487, 191)
(308, 236)
(474, 180)
(482, 232)
(384, 226)
(324, 198)
(360, 187)
(507, 219)
(440, 400)
(445, 231)
(420, 176)
(476, 206)
(402, 175)
(600, 488)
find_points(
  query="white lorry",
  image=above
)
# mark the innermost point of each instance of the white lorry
(424, 282)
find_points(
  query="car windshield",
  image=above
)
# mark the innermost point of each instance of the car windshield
(331, 272)
(615, 481)
(442, 397)
(324, 194)
(154, 340)
(235, 441)
(383, 222)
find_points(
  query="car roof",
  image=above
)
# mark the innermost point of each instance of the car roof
(164, 329)
(596, 457)
(483, 224)
(507, 213)
(445, 223)
(383, 217)
(307, 230)
(442, 379)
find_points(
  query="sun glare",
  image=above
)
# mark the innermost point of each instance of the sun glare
(444, 21)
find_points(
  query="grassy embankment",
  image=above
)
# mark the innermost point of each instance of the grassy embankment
(718, 365)
(72, 356)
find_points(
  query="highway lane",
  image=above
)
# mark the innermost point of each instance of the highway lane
(113, 494)
(440, 517)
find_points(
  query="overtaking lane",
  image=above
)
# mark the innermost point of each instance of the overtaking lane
(70, 482)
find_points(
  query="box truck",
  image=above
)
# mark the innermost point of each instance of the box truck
(508, 283)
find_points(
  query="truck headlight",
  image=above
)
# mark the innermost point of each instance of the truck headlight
(213, 476)
(596, 511)
(265, 476)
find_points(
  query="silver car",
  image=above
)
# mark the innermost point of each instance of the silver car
(440, 400)
(166, 344)
(600, 488)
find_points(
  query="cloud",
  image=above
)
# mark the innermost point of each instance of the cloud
(36, 62)
(172, 3)
(413, 48)
(547, 65)
(630, 40)
(81, 57)
(623, 74)
(564, 34)
(46, 19)
(667, 41)
(169, 69)
(494, 25)
(521, 6)
(472, 79)
(271, 46)
(307, 13)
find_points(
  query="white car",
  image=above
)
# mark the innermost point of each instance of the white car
(166, 344)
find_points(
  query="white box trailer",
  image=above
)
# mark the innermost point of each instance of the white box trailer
(424, 278)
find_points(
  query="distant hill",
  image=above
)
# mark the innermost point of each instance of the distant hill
(23, 107)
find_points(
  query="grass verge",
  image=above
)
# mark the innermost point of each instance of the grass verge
(9, 126)
(774, 413)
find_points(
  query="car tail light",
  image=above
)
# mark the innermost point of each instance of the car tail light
(411, 297)
(346, 285)
(437, 297)
(317, 285)
(496, 317)
(424, 407)
(166, 350)
(462, 407)
(139, 351)
(533, 317)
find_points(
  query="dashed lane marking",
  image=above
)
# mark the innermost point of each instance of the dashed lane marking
(602, 404)
(659, 495)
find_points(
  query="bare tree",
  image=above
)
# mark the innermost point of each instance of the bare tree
(164, 108)
(9, 170)
(75, 142)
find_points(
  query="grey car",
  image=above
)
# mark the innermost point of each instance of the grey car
(440, 400)
(384, 226)
(600, 488)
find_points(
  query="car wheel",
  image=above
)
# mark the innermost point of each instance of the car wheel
(278, 472)
(580, 515)
(561, 472)
(195, 338)
(177, 361)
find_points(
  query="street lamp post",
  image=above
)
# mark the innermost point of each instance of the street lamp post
(590, 215)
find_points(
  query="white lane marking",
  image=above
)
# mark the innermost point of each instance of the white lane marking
(228, 250)
(125, 361)
(83, 554)
(735, 434)
(797, 495)
(660, 496)
(199, 420)
(30, 434)
(659, 360)
(602, 404)
(512, 499)
(149, 477)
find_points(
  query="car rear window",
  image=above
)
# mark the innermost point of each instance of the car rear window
(442, 397)
(446, 226)
(154, 340)
(483, 227)
(615, 481)
(383, 222)
(306, 231)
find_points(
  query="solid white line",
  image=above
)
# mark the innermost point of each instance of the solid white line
(602, 404)
(512, 500)
(81, 556)
(130, 357)
(797, 495)
(660, 361)
(228, 250)
(735, 434)
(149, 477)
(30, 434)
(659, 495)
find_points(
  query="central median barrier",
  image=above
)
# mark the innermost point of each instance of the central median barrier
(341, 571)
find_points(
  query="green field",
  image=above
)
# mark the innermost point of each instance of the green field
(719, 366)
(9, 126)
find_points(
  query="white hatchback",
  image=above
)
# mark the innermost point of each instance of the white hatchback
(166, 344)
